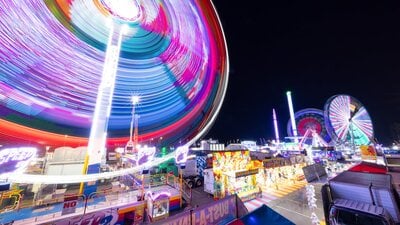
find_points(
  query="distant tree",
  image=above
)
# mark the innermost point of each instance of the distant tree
(395, 129)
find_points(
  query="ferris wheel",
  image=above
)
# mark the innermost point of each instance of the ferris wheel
(307, 120)
(347, 121)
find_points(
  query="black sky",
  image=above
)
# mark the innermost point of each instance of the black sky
(316, 49)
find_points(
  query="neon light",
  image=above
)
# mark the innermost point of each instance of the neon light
(16, 159)
(155, 196)
(145, 155)
(181, 154)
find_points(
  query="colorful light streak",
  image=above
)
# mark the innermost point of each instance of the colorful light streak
(52, 54)
(71, 179)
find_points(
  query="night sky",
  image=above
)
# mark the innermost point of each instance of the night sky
(314, 49)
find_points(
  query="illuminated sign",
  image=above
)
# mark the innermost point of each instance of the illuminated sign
(145, 154)
(15, 159)
(181, 154)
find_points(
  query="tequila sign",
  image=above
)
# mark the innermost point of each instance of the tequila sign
(15, 159)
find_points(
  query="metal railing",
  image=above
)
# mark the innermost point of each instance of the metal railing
(103, 199)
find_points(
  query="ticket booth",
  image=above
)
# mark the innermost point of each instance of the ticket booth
(158, 206)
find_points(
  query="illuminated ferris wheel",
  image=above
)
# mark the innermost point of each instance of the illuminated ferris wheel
(347, 121)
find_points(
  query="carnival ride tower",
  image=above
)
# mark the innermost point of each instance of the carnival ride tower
(131, 145)
(275, 126)
(292, 119)
(98, 131)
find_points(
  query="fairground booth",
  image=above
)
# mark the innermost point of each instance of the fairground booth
(235, 173)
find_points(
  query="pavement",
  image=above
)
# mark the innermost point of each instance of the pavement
(294, 206)
(289, 200)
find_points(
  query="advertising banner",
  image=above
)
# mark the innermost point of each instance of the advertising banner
(103, 217)
(132, 214)
(218, 213)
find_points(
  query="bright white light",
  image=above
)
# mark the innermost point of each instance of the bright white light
(109, 23)
(135, 99)
(125, 29)
(120, 150)
(125, 9)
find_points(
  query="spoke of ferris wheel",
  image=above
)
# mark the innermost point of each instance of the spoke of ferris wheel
(364, 126)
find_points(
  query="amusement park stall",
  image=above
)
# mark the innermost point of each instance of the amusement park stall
(234, 173)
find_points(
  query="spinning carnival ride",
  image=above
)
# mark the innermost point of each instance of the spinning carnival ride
(347, 121)
(69, 69)
(311, 126)
(52, 55)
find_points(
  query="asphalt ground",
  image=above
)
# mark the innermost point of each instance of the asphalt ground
(293, 206)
